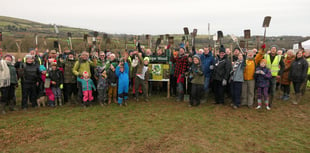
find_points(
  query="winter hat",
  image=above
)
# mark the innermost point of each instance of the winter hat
(196, 56)
(8, 55)
(54, 63)
(222, 49)
(42, 68)
(237, 49)
(85, 73)
(263, 61)
(71, 52)
(112, 54)
(146, 59)
(274, 46)
(28, 56)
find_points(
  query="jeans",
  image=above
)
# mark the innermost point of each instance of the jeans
(206, 84)
(236, 93)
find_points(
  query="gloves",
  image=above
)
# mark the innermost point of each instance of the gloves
(224, 82)
(262, 72)
(211, 67)
(61, 86)
(263, 46)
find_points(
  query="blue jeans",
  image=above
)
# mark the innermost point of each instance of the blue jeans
(206, 85)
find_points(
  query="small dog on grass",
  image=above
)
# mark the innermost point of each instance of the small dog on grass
(41, 101)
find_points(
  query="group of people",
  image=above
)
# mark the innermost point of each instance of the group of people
(106, 78)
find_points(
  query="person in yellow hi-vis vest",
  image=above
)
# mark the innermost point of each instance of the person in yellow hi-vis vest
(307, 82)
(275, 64)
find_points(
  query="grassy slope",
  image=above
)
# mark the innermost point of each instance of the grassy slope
(159, 126)
(37, 27)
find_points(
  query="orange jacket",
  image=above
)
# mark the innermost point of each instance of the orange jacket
(249, 70)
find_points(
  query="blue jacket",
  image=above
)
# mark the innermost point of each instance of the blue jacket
(262, 80)
(123, 77)
(206, 61)
(237, 75)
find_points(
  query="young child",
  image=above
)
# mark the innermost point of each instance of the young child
(141, 76)
(112, 82)
(122, 71)
(87, 86)
(262, 77)
(102, 88)
(41, 91)
(56, 77)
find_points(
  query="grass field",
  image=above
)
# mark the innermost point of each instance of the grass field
(161, 125)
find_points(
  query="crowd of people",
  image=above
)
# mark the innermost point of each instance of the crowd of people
(246, 76)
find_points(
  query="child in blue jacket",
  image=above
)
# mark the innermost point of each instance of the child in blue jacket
(262, 77)
(122, 72)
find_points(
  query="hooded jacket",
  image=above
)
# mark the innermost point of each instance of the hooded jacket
(196, 73)
(299, 69)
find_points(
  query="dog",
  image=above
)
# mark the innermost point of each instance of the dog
(41, 101)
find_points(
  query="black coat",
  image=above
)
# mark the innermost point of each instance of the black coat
(31, 73)
(299, 69)
(57, 76)
(222, 68)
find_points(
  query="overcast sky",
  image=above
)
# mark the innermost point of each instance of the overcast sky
(289, 17)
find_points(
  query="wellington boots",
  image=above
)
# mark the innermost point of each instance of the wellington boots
(2, 108)
(297, 99)
(114, 100)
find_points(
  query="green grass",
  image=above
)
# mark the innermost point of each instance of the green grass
(159, 126)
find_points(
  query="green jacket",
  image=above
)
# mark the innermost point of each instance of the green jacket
(69, 77)
(87, 84)
(81, 66)
(196, 74)
(13, 74)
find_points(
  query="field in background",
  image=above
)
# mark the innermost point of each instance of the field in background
(161, 125)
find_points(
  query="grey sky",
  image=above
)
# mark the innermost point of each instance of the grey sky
(289, 17)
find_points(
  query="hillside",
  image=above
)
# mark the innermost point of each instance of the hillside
(23, 31)
(19, 27)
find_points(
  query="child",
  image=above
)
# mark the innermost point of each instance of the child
(122, 71)
(262, 77)
(56, 77)
(102, 88)
(112, 82)
(87, 86)
(237, 80)
(197, 80)
(141, 76)
(41, 91)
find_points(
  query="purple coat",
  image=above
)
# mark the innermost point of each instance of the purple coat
(261, 80)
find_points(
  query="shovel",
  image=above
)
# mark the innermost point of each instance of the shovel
(266, 25)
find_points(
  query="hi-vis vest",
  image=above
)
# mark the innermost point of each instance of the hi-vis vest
(274, 66)
(39, 60)
(308, 60)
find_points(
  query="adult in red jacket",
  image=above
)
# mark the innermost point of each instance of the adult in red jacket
(181, 66)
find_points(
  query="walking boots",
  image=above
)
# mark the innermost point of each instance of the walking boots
(2, 108)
